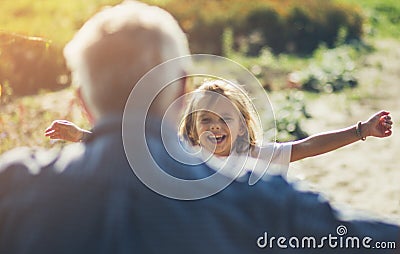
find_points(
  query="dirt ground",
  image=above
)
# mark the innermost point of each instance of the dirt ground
(365, 175)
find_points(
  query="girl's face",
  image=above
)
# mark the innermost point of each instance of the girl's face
(219, 126)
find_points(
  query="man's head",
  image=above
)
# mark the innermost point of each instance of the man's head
(116, 47)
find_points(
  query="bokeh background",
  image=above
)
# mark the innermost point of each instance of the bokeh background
(325, 64)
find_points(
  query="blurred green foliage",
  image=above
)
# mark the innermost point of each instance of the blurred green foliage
(290, 112)
(32, 36)
(261, 34)
(382, 17)
(29, 64)
(330, 71)
(284, 26)
(55, 20)
(24, 120)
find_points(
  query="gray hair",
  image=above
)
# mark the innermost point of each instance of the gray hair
(116, 47)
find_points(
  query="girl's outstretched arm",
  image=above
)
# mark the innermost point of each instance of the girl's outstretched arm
(65, 130)
(378, 125)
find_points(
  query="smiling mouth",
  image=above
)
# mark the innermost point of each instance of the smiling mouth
(216, 138)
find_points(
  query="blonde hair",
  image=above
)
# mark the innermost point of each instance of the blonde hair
(236, 95)
(116, 47)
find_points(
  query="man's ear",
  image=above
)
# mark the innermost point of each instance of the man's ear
(183, 88)
(185, 85)
(83, 104)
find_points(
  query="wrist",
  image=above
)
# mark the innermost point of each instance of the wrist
(365, 130)
(81, 136)
(362, 131)
(85, 135)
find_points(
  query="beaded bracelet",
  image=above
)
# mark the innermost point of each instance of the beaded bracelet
(358, 131)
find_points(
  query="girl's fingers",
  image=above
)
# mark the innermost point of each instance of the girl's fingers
(49, 132)
(55, 136)
(387, 118)
(387, 124)
(383, 113)
(52, 127)
(388, 133)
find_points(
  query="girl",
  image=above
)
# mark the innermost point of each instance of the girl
(233, 124)
(220, 121)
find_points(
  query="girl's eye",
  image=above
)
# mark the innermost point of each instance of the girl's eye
(205, 120)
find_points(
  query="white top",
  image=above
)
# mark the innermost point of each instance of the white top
(272, 159)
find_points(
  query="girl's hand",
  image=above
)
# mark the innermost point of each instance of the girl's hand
(379, 125)
(63, 129)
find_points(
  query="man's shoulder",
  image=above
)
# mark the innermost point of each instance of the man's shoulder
(33, 159)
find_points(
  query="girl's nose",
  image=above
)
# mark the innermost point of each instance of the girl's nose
(215, 126)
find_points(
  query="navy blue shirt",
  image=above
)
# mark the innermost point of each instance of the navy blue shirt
(86, 199)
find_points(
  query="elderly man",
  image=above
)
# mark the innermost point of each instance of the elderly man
(95, 197)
